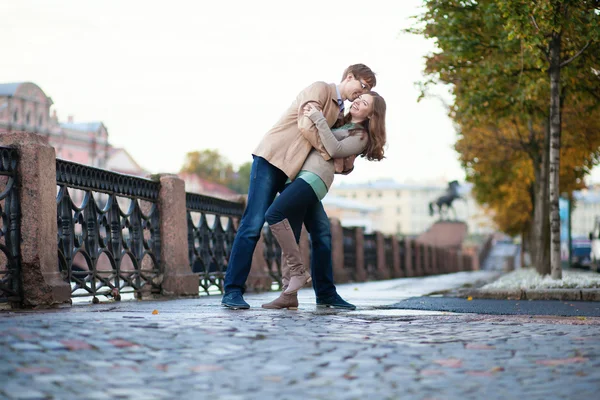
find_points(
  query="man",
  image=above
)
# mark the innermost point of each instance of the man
(280, 154)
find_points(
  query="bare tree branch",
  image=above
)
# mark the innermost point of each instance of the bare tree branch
(564, 63)
(535, 23)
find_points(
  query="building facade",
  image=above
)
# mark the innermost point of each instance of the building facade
(24, 107)
(585, 211)
(404, 207)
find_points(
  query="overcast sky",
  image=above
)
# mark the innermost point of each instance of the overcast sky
(171, 77)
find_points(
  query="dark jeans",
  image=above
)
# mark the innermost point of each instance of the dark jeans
(265, 181)
(292, 204)
(299, 203)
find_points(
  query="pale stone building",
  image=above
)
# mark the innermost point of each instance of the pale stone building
(352, 213)
(24, 107)
(585, 211)
(404, 207)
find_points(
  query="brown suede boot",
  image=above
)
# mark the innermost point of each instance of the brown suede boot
(289, 301)
(291, 255)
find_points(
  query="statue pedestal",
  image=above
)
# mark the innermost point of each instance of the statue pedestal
(447, 234)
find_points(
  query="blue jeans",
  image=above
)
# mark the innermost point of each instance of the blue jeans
(298, 203)
(321, 266)
(265, 181)
(292, 204)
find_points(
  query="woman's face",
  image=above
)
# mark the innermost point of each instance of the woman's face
(362, 107)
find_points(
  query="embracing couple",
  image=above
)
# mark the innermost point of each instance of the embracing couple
(297, 158)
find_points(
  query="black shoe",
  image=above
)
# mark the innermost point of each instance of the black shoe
(235, 301)
(335, 301)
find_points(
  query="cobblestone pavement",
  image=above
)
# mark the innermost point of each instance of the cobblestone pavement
(194, 348)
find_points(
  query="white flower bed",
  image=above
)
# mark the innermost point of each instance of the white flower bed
(528, 278)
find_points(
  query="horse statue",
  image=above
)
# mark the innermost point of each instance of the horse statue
(444, 202)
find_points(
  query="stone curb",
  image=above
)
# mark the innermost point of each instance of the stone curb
(534, 294)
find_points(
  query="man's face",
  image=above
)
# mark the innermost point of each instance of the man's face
(356, 87)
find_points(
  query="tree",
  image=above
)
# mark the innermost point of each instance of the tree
(242, 180)
(208, 164)
(212, 166)
(560, 31)
(501, 90)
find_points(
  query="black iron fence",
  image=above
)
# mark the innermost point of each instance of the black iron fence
(10, 261)
(211, 230)
(388, 247)
(108, 231)
(370, 244)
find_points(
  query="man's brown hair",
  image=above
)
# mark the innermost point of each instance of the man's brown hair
(361, 71)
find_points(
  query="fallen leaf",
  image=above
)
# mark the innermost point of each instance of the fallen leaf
(582, 318)
(155, 312)
(356, 289)
(273, 378)
(497, 369)
(469, 298)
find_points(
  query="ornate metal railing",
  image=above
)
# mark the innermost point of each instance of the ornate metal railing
(350, 252)
(371, 256)
(272, 255)
(211, 230)
(402, 254)
(108, 231)
(10, 260)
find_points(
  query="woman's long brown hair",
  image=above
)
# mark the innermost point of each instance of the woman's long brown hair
(374, 126)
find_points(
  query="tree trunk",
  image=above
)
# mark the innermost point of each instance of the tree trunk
(524, 248)
(554, 155)
(540, 229)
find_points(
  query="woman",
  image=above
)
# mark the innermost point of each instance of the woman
(363, 133)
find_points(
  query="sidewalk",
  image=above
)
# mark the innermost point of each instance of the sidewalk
(195, 348)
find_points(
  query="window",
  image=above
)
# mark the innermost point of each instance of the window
(354, 195)
(27, 117)
(398, 211)
(40, 120)
(368, 195)
(16, 115)
(397, 193)
(379, 194)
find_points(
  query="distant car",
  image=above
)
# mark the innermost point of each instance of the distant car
(581, 254)
(595, 246)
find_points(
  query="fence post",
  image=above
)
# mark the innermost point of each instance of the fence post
(427, 270)
(408, 264)
(434, 260)
(178, 278)
(396, 257)
(417, 256)
(361, 272)
(337, 251)
(42, 283)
